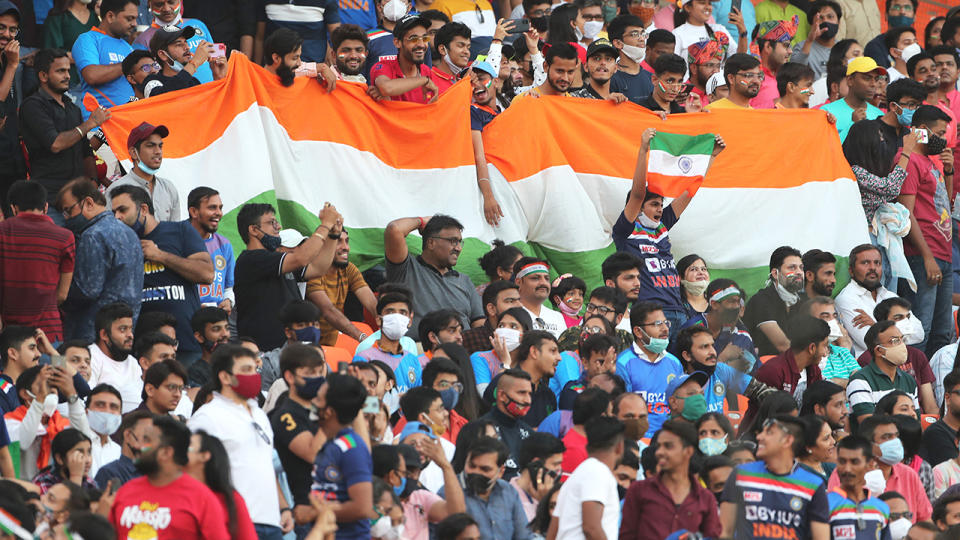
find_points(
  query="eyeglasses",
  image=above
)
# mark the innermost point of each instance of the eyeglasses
(68, 210)
(454, 241)
(603, 310)
(593, 17)
(263, 434)
(593, 329)
(540, 13)
(174, 388)
(772, 422)
(446, 385)
(12, 30)
(897, 515)
(417, 39)
(736, 446)
(894, 341)
(150, 68)
(657, 324)
(273, 223)
(636, 34)
(750, 76)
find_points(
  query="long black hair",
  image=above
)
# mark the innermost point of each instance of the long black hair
(541, 520)
(469, 434)
(65, 441)
(216, 473)
(864, 147)
(562, 19)
(470, 406)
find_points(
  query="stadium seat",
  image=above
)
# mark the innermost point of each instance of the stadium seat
(335, 355)
(346, 343)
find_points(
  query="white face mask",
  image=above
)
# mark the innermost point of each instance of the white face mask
(696, 288)
(637, 54)
(899, 528)
(394, 10)
(592, 28)
(50, 403)
(910, 51)
(510, 337)
(912, 329)
(394, 325)
(647, 222)
(835, 331)
(385, 530)
(875, 481)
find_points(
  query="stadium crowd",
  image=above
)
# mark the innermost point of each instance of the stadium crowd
(157, 381)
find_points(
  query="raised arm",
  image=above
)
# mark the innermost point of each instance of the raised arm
(306, 252)
(395, 237)
(639, 188)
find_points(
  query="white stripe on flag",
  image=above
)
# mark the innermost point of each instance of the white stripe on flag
(667, 164)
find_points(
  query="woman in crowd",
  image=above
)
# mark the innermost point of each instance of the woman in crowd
(896, 402)
(541, 522)
(692, 25)
(694, 277)
(819, 447)
(911, 436)
(715, 433)
(841, 53)
(931, 34)
(778, 402)
(469, 405)
(65, 22)
(72, 460)
(209, 463)
(567, 295)
(513, 323)
(498, 263)
(468, 435)
(741, 452)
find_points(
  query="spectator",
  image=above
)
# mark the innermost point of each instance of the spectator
(900, 478)
(103, 415)
(452, 42)
(646, 366)
(53, 128)
(669, 70)
(562, 63)
(211, 329)
(859, 298)
(479, 17)
(232, 21)
(693, 24)
(767, 311)
(731, 341)
(154, 347)
(180, 506)
(234, 417)
(145, 144)
(592, 484)
(266, 279)
(588, 407)
(629, 37)
(430, 276)
(826, 399)
(206, 210)
(862, 21)
(163, 386)
(394, 312)
(597, 354)
(651, 510)
(490, 500)
(19, 351)
(714, 474)
(438, 328)
(137, 66)
(854, 456)
(70, 454)
(824, 17)
(839, 364)
(659, 42)
(110, 359)
(899, 13)
(311, 19)
(417, 84)
(349, 44)
(36, 262)
(621, 271)
(167, 14)
(64, 24)
(300, 321)
(132, 431)
(532, 277)
(338, 403)
(99, 54)
(178, 64)
(483, 109)
(381, 44)
(797, 96)
(512, 402)
(209, 463)
(743, 75)
(109, 265)
(77, 354)
(330, 292)
(714, 434)
(773, 38)
(176, 260)
(685, 396)
(540, 459)
(862, 79)
(704, 60)
(946, 513)
(900, 44)
(601, 65)
(940, 439)
(498, 297)
(609, 303)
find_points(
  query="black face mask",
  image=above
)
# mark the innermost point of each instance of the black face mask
(477, 483)
(935, 145)
(539, 23)
(829, 30)
(697, 366)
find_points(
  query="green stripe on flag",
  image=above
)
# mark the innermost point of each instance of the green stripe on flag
(679, 145)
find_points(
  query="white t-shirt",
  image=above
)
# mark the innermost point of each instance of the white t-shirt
(549, 320)
(432, 475)
(591, 481)
(102, 454)
(126, 376)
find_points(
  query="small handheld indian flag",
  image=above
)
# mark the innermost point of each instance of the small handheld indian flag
(677, 163)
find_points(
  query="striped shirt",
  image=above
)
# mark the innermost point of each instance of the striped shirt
(868, 385)
(308, 18)
(867, 519)
(476, 14)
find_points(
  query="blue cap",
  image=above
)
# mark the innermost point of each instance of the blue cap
(6, 6)
(416, 427)
(679, 380)
(485, 67)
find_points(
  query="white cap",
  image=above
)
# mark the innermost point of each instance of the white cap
(715, 81)
(291, 238)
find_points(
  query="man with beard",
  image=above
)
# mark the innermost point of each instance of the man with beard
(562, 63)
(668, 72)
(824, 17)
(744, 76)
(168, 15)
(175, 260)
(171, 47)
(110, 359)
(329, 292)
(854, 460)
(773, 39)
(281, 53)
(532, 276)
(767, 310)
(829, 400)
(732, 342)
(863, 74)
(704, 58)
(430, 276)
(819, 272)
(940, 439)
(856, 302)
(839, 363)
(166, 503)
(483, 110)
(924, 69)
(145, 144)
(538, 357)
(206, 209)
(52, 127)
(627, 34)
(210, 330)
(884, 374)
(601, 66)
(381, 44)
(349, 45)
(406, 77)
(622, 272)
(928, 244)
(12, 163)
(99, 54)
(453, 44)
(498, 297)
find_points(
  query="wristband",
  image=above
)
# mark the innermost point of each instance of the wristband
(80, 131)
(483, 179)
(282, 510)
(420, 226)
(333, 236)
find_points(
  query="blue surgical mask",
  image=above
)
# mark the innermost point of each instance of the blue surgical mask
(656, 345)
(899, 20)
(713, 447)
(309, 334)
(891, 452)
(450, 398)
(148, 170)
(398, 490)
(139, 226)
(905, 117)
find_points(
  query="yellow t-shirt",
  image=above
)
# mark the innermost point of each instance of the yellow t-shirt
(725, 104)
(337, 283)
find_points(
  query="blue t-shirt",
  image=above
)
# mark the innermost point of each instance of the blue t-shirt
(659, 280)
(568, 369)
(95, 48)
(308, 18)
(221, 252)
(844, 114)
(406, 366)
(865, 521)
(485, 366)
(723, 377)
(41, 8)
(341, 463)
(772, 506)
(203, 73)
(636, 87)
(480, 116)
(164, 289)
(359, 12)
(650, 381)
(736, 335)
(9, 399)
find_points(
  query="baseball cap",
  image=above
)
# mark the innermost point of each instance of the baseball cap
(715, 81)
(481, 65)
(416, 427)
(864, 64)
(166, 35)
(678, 381)
(143, 131)
(407, 23)
(601, 45)
(6, 6)
(291, 238)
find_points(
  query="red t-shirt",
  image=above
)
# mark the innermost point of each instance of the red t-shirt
(576, 451)
(245, 530)
(931, 207)
(444, 81)
(184, 509)
(391, 69)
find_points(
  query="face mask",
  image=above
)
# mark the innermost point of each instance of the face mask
(103, 422)
(912, 330)
(645, 13)
(478, 484)
(270, 242)
(647, 222)
(567, 310)
(310, 387)
(829, 30)
(899, 20)
(394, 326)
(578, 33)
(50, 404)
(144, 168)
(450, 398)
(209, 346)
(697, 366)
(637, 54)
(516, 409)
(592, 28)
(394, 10)
(713, 447)
(77, 223)
(635, 428)
(935, 144)
(455, 69)
(729, 316)
(398, 490)
(510, 337)
(695, 288)
(314, 413)
(609, 12)
(910, 51)
(139, 226)
(309, 334)
(875, 482)
(789, 297)
(539, 24)
(905, 117)
(891, 452)
(899, 528)
(896, 355)
(656, 345)
(835, 331)
(694, 407)
(248, 386)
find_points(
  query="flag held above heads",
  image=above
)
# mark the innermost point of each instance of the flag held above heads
(677, 163)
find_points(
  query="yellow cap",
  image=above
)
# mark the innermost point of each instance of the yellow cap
(863, 64)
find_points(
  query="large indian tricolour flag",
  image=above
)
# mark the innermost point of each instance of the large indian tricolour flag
(561, 170)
